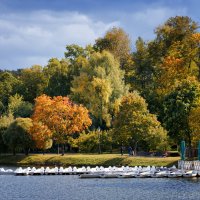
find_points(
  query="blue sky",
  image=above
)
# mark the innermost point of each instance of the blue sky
(33, 31)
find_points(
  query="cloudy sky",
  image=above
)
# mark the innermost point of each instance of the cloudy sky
(33, 31)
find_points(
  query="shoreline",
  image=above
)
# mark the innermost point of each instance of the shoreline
(80, 160)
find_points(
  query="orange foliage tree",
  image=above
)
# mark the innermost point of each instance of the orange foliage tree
(172, 70)
(62, 117)
(42, 135)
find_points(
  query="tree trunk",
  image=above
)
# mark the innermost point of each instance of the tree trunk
(135, 148)
(63, 149)
(58, 149)
(26, 150)
(189, 144)
(14, 152)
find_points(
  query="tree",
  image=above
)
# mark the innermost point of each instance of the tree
(177, 107)
(8, 86)
(62, 117)
(94, 141)
(134, 124)
(5, 122)
(41, 135)
(17, 135)
(99, 85)
(175, 29)
(19, 108)
(58, 78)
(161, 64)
(117, 42)
(194, 123)
(74, 52)
(34, 82)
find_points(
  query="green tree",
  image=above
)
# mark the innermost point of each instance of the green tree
(94, 141)
(74, 51)
(17, 135)
(177, 107)
(194, 124)
(5, 122)
(19, 108)
(58, 78)
(34, 82)
(99, 85)
(134, 124)
(8, 86)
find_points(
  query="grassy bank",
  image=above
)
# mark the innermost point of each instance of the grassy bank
(85, 160)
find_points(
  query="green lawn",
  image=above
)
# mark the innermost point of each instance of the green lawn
(86, 160)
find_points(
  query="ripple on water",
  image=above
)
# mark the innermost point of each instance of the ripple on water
(73, 188)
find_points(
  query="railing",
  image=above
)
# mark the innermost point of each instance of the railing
(195, 165)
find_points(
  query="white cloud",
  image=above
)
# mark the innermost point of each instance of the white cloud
(33, 38)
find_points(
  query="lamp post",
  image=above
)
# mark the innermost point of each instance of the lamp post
(99, 139)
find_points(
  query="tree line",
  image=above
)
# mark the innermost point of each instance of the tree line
(106, 95)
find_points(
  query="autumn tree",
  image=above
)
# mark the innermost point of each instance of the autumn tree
(134, 124)
(175, 29)
(117, 42)
(17, 135)
(161, 64)
(61, 116)
(41, 135)
(99, 85)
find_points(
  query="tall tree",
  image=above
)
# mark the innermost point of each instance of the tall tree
(175, 29)
(58, 78)
(8, 86)
(99, 85)
(19, 108)
(34, 82)
(117, 42)
(194, 123)
(177, 107)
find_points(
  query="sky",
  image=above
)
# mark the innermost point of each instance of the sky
(33, 31)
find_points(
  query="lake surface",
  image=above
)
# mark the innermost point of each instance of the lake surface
(72, 188)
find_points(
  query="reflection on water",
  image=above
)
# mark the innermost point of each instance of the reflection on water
(72, 188)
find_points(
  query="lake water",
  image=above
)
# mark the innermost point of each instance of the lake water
(72, 188)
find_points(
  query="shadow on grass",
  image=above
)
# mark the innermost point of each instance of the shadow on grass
(11, 160)
(119, 161)
(173, 163)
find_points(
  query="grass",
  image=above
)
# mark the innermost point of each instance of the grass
(85, 160)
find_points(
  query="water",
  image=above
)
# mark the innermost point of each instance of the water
(73, 188)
